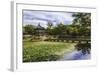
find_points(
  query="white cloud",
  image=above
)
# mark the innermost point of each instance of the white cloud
(42, 17)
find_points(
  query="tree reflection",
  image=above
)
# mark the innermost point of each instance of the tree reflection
(84, 47)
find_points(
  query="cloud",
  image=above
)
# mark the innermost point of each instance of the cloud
(43, 17)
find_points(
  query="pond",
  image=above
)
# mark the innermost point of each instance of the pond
(75, 55)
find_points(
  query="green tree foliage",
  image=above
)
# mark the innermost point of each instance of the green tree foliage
(29, 29)
(60, 29)
(84, 21)
(49, 28)
(72, 30)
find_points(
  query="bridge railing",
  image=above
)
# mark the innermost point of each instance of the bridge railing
(69, 40)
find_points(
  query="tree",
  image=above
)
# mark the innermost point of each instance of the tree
(29, 29)
(73, 30)
(49, 28)
(49, 25)
(61, 29)
(84, 21)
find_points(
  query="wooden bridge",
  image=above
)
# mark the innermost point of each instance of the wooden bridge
(72, 40)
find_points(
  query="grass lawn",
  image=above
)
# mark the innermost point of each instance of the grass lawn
(45, 51)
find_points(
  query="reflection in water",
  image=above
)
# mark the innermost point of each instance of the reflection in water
(82, 52)
(84, 47)
(76, 55)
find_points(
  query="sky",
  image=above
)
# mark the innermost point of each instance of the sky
(43, 17)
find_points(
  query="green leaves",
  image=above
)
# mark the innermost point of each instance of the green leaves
(82, 19)
(29, 29)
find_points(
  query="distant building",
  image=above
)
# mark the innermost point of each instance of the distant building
(40, 30)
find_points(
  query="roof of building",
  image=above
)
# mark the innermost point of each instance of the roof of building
(39, 27)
